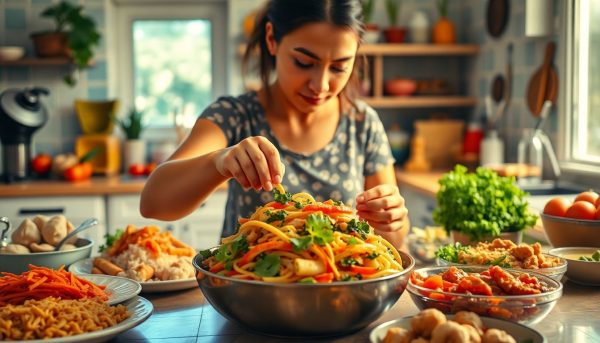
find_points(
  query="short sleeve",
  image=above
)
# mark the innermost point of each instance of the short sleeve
(378, 153)
(229, 114)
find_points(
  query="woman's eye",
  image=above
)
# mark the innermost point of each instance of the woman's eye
(302, 65)
(338, 69)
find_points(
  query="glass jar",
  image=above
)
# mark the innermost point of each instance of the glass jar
(530, 153)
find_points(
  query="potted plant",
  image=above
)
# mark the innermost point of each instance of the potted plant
(481, 206)
(134, 150)
(393, 33)
(443, 30)
(75, 35)
(372, 32)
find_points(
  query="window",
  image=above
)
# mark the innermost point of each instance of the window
(581, 127)
(171, 60)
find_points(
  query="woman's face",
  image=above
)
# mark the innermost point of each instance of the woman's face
(313, 63)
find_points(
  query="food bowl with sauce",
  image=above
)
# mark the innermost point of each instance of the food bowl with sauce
(584, 271)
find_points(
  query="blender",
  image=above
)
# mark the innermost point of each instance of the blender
(21, 114)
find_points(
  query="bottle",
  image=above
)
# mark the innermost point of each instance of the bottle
(398, 142)
(530, 153)
(419, 27)
(492, 149)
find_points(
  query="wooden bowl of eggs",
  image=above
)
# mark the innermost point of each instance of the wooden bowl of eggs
(34, 241)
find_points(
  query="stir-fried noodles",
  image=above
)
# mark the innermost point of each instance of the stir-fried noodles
(297, 239)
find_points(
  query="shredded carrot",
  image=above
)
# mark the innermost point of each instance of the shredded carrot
(151, 239)
(40, 282)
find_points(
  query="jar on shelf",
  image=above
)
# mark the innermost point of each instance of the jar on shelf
(530, 153)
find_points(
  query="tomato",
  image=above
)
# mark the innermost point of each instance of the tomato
(149, 168)
(327, 209)
(41, 164)
(137, 169)
(597, 217)
(557, 207)
(87, 169)
(598, 202)
(589, 196)
(581, 210)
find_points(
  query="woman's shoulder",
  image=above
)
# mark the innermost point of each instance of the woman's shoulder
(362, 112)
(240, 103)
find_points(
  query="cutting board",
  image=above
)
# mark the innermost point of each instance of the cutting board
(543, 84)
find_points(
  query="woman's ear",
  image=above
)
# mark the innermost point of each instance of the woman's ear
(270, 39)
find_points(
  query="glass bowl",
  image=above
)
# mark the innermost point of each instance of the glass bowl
(524, 309)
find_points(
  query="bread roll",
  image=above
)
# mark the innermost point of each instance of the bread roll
(55, 229)
(26, 233)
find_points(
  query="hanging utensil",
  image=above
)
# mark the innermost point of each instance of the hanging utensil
(497, 17)
(4, 235)
(543, 84)
(509, 76)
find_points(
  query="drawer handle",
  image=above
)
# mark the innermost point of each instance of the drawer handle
(26, 211)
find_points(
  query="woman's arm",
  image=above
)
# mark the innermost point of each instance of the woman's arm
(383, 207)
(178, 186)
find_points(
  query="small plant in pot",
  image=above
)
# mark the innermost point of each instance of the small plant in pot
(481, 206)
(393, 33)
(443, 30)
(75, 35)
(135, 147)
(372, 31)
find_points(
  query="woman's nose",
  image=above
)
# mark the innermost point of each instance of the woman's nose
(319, 82)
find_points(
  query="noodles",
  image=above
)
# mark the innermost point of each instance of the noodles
(52, 317)
(297, 239)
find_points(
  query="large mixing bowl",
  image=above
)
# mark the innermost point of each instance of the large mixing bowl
(17, 263)
(297, 309)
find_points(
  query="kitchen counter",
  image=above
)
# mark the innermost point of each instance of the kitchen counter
(424, 182)
(187, 317)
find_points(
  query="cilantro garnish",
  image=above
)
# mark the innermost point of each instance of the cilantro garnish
(111, 239)
(282, 198)
(360, 227)
(319, 227)
(229, 251)
(275, 216)
(268, 265)
(301, 243)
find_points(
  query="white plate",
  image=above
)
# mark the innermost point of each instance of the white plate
(120, 288)
(139, 309)
(85, 267)
(520, 333)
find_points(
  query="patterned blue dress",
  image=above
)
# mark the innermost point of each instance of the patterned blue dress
(337, 171)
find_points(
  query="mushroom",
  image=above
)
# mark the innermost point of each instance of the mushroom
(55, 229)
(14, 249)
(26, 233)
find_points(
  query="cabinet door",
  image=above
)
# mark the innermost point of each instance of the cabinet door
(124, 210)
(202, 228)
(75, 208)
(420, 207)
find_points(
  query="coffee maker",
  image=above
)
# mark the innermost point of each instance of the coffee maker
(21, 114)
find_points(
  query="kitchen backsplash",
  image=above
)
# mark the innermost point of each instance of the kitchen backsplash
(20, 17)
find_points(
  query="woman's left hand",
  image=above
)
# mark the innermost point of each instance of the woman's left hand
(383, 207)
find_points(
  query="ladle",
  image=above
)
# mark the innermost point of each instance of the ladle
(4, 235)
(83, 226)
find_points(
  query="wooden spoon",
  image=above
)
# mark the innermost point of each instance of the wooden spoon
(543, 84)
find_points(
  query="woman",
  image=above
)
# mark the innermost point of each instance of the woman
(303, 128)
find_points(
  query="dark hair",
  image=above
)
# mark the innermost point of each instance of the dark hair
(289, 15)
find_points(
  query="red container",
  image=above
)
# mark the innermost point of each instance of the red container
(473, 137)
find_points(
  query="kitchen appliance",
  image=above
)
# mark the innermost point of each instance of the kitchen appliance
(21, 114)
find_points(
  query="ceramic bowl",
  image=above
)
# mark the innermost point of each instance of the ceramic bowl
(525, 309)
(581, 272)
(400, 87)
(567, 232)
(300, 309)
(11, 53)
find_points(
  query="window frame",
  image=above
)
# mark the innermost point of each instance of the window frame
(572, 169)
(126, 12)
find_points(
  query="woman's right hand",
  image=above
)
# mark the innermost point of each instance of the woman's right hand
(254, 163)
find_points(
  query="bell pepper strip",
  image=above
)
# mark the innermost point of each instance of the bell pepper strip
(363, 270)
(326, 209)
(243, 220)
(260, 248)
(329, 264)
(217, 267)
(324, 278)
(434, 282)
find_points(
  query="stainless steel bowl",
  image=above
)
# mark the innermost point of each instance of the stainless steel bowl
(17, 263)
(309, 310)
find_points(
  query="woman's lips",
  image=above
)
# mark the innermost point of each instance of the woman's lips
(312, 100)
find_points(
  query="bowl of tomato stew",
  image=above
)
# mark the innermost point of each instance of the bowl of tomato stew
(519, 296)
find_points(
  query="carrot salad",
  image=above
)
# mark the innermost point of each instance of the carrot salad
(40, 282)
(151, 239)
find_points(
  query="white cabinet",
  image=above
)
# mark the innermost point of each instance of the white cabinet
(420, 206)
(75, 208)
(200, 229)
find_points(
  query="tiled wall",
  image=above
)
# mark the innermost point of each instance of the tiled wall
(18, 18)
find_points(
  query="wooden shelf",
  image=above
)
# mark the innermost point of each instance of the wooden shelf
(36, 62)
(420, 101)
(407, 49)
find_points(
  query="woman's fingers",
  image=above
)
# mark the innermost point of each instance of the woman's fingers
(384, 217)
(276, 168)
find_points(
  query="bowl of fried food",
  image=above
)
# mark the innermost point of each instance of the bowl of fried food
(34, 240)
(321, 270)
(518, 296)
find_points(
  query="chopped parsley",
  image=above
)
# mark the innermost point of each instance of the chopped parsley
(267, 265)
(360, 227)
(111, 239)
(229, 251)
(277, 216)
(319, 227)
(282, 198)
(348, 261)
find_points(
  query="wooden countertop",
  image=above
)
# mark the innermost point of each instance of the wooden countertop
(186, 316)
(425, 182)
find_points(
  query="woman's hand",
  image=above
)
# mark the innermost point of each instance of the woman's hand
(254, 163)
(383, 207)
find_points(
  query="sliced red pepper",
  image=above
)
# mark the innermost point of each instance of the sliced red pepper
(434, 282)
(278, 205)
(363, 270)
(324, 278)
(217, 267)
(326, 209)
(272, 245)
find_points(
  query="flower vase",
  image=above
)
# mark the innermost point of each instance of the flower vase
(134, 152)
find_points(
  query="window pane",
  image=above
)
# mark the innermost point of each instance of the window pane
(586, 132)
(172, 68)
